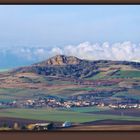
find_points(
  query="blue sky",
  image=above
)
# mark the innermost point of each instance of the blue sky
(55, 27)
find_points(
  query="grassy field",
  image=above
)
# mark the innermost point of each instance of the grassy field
(88, 109)
(56, 115)
(20, 93)
(41, 79)
(120, 74)
(100, 75)
(126, 94)
(81, 89)
(127, 74)
(103, 128)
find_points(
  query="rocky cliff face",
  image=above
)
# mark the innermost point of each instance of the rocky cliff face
(61, 60)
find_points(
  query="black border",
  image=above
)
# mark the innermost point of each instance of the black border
(70, 2)
(71, 135)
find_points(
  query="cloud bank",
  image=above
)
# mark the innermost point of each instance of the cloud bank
(127, 51)
(117, 51)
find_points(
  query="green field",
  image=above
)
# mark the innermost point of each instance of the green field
(81, 89)
(20, 93)
(120, 74)
(56, 115)
(88, 109)
(126, 94)
(100, 75)
(42, 79)
(127, 74)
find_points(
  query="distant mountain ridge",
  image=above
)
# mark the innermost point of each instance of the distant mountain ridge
(70, 66)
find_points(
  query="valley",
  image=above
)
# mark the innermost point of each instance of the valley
(65, 88)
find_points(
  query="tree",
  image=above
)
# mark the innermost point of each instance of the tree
(23, 127)
(5, 125)
(51, 125)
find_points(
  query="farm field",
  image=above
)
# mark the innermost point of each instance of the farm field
(103, 128)
(119, 112)
(69, 68)
(56, 115)
(81, 93)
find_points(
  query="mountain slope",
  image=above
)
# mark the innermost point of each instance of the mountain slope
(63, 66)
(73, 78)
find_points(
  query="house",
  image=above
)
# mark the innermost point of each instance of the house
(113, 105)
(67, 124)
(40, 126)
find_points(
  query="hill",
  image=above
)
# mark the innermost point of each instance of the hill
(70, 77)
(69, 88)
(63, 66)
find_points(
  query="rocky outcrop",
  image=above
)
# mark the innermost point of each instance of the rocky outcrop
(61, 60)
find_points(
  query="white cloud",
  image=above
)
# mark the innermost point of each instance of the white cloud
(117, 51)
(56, 51)
(39, 53)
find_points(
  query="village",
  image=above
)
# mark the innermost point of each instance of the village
(55, 102)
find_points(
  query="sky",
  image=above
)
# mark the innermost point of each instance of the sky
(31, 33)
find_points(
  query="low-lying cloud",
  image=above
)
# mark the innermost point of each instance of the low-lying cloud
(117, 51)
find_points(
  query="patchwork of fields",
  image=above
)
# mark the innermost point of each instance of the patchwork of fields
(81, 93)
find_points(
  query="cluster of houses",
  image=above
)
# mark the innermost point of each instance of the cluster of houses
(55, 102)
(124, 106)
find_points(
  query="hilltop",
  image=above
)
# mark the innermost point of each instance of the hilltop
(60, 60)
(73, 67)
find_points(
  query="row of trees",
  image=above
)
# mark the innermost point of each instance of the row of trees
(15, 126)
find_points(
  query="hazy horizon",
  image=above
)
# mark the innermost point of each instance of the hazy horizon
(32, 33)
